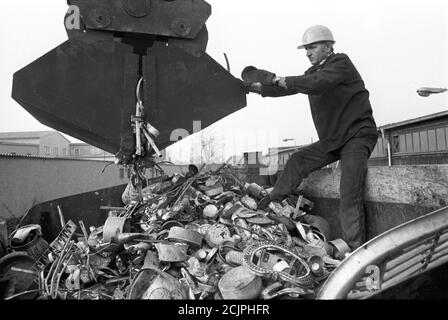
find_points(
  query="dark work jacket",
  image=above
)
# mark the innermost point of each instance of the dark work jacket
(338, 99)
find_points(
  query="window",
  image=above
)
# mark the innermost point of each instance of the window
(121, 173)
(76, 151)
(55, 151)
(64, 151)
(46, 150)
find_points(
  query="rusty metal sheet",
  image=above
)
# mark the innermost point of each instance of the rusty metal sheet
(156, 17)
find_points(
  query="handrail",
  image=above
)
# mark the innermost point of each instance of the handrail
(396, 255)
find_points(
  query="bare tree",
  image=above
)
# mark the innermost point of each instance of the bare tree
(208, 147)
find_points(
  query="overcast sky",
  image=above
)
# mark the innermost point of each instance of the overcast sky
(397, 46)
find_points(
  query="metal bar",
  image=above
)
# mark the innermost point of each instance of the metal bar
(439, 254)
(380, 249)
(23, 270)
(443, 237)
(83, 229)
(441, 247)
(151, 142)
(360, 284)
(423, 247)
(21, 294)
(359, 295)
(405, 257)
(112, 208)
(440, 260)
(420, 259)
(61, 217)
(401, 277)
(227, 62)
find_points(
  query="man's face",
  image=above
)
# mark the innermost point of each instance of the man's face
(317, 52)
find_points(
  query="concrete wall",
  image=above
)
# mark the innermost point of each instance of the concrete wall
(25, 182)
(52, 141)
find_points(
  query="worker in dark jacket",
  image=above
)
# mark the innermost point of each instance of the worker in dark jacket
(343, 119)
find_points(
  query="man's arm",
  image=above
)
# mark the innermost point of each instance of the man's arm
(273, 91)
(336, 71)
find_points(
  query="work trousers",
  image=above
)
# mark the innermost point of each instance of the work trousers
(353, 158)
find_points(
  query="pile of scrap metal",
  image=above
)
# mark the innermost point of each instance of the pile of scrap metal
(193, 236)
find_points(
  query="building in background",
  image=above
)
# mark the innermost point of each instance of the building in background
(422, 140)
(236, 160)
(88, 152)
(281, 154)
(49, 144)
(35, 143)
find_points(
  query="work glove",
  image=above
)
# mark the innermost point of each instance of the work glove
(251, 75)
(279, 82)
(254, 87)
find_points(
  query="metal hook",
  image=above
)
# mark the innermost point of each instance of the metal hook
(137, 90)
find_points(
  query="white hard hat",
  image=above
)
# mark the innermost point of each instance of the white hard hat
(315, 34)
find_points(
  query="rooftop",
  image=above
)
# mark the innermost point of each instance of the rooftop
(28, 135)
(23, 135)
(20, 156)
(415, 120)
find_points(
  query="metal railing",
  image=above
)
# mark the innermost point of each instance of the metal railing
(397, 255)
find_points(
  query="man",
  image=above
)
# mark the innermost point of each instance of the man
(343, 118)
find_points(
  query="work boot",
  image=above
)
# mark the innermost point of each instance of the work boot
(263, 204)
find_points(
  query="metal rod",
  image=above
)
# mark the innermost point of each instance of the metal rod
(138, 131)
(441, 247)
(400, 277)
(420, 259)
(151, 142)
(437, 262)
(439, 253)
(21, 294)
(21, 219)
(112, 208)
(418, 243)
(364, 294)
(405, 257)
(416, 249)
(83, 229)
(227, 62)
(61, 217)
